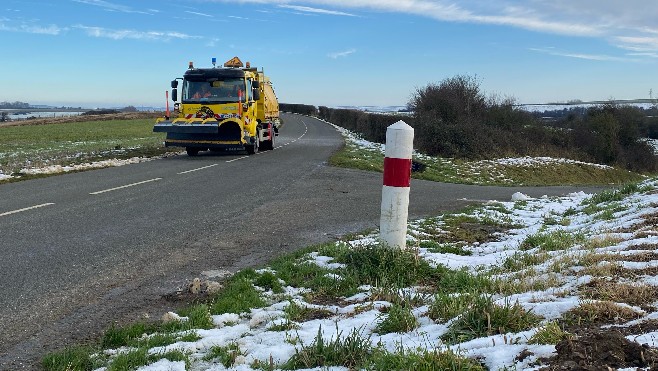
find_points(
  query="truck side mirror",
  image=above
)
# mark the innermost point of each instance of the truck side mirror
(256, 93)
(174, 84)
(174, 94)
(255, 84)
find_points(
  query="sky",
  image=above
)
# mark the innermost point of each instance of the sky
(106, 53)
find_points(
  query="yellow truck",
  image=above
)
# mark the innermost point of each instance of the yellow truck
(227, 107)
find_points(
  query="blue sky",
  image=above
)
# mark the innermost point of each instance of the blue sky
(329, 52)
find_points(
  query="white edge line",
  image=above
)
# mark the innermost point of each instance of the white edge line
(236, 159)
(26, 209)
(201, 168)
(125, 186)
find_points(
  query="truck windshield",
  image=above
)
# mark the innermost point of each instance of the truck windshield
(221, 91)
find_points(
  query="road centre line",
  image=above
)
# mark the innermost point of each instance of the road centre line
(201, 168)
(26, 209)
(125, 186)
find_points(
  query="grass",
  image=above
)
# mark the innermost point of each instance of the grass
(552, 241)
(472, 302)
(356, 352)
(226, 355)
(76, 142)
(398, 319)
(488, 172)
(599, 313)
(483, 317)
(550, 333)
(79, 142)
(239, 295)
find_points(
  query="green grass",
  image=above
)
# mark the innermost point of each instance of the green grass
(73, 358)
(356, 352)
(552, 241)
(76, 142)
(550, 333)
(239, 295)
(466, 172)
(399, 318)
(225, 355)
(483, 317)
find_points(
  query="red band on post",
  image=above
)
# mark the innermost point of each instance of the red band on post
(397, 172)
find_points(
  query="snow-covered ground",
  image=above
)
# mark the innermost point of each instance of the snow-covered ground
(614, 234)
(627, 230)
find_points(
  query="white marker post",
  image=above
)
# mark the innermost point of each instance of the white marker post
(397, 179)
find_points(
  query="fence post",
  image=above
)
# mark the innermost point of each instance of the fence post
(397, 179)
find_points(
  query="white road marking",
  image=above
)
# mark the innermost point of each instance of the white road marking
(125, 186)
(26, 209)
(201, 168)
(236, 159)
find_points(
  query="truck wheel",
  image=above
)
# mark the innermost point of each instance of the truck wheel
(252, 148)
(191, 151)
(268, 145)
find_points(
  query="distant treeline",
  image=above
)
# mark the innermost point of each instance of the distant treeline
(14, 105)
(455, 119)
(581, 111)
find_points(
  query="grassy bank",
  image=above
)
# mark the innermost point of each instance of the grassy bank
(501, 286)
(528, 171)
(37, 146)
(27, 147)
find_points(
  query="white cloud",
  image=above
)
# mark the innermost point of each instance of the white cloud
(591, 57)
(306, 9)
(197, 13)
(622, 23)
(114, 7)
(133, 34)
(342, 54)
(6, 25)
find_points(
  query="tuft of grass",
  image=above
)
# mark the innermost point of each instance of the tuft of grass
(198, 317)
(269, 281)
(484, 318)
(238, 296)
(74, 358)
(550, 333)
(518, 260)
(424, 360)
(130, 360)
(599, 312)
(116, 337)
(226, 354)
(447, 306)
(444, 248)
(631, 294)
(616, 195)
(349, 352)
(552, 241)
(299, 313)
(398, 319)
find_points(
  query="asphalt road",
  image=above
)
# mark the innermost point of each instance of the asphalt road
(81, 251)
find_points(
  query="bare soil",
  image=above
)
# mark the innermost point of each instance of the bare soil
(598, 349)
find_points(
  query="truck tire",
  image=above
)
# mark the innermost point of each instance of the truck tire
(268, 145)
(255, 142)
(191, 151)
(252, 148)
